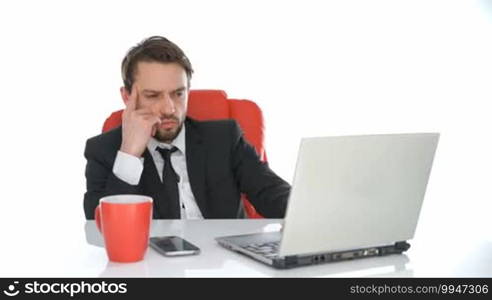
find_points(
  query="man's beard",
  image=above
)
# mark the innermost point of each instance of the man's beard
(167, 136)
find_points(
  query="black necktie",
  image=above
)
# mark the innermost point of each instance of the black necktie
(170, 182)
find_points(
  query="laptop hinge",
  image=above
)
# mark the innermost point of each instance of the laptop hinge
(403, 246)
(286, 262)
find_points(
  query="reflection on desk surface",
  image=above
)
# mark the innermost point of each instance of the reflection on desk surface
(215, 261)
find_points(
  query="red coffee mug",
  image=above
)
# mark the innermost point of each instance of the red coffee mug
(124, 221)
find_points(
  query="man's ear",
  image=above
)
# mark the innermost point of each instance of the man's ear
(124, 94)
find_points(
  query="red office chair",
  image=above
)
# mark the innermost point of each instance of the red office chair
(214, 105)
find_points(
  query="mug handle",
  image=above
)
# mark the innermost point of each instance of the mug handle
(97, 217)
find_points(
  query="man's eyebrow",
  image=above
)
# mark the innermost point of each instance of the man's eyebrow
(180, 89)
(151, 91)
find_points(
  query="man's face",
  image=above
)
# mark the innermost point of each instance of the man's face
(163, 88)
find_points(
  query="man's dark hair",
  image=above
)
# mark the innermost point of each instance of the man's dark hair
(153, 49)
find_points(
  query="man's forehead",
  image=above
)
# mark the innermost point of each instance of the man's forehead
(148, 68)
(159, 77)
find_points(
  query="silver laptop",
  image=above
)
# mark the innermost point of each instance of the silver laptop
(352, 197)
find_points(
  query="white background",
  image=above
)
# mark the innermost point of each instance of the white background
(316, 68)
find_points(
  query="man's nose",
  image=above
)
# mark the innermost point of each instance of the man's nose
(166, 105)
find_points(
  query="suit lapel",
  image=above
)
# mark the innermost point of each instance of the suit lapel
(195, 162)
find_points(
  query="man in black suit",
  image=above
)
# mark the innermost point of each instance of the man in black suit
(191, 169)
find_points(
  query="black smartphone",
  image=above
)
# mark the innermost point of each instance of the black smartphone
(173, 246)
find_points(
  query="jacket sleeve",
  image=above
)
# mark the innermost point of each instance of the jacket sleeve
(100, 179)
(266, 191)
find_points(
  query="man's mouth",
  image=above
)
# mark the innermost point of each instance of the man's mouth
(168, 124)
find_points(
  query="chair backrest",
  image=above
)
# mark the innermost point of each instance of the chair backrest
(214, 105)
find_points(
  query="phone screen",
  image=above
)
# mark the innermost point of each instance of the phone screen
(173, 245)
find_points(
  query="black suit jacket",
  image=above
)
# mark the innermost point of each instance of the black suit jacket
(220, 166)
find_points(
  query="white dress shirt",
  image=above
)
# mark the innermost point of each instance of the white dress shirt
(129, 168)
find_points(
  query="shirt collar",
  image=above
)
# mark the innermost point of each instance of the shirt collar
(178, 142)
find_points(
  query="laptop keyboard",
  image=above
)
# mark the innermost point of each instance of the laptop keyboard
(269, 249)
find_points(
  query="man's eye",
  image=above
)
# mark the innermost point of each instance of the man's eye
(151, 96)
(180, 94)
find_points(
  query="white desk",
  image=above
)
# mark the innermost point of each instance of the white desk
(216, 261)
(81, 254)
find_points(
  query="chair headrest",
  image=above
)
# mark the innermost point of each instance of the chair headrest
(200, 102)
